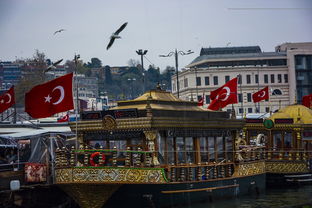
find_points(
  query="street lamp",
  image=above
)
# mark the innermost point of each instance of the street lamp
(131, 80)
(176, 53)
(141, 53)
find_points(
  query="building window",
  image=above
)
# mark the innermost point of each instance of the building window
(215, 80)
(240, 97)
(286, 78)
(257, 78)
(272, 78)
(266, 78)
(227, 78)
(277, 92)
(267, 109)
(239, 78)
(248, 97)
(248, 79)
(279, 78)
(185, 82)
(199, 97)
(207, 81)
(198, 81)
(207, 99)
(249, 110)
(240, 110)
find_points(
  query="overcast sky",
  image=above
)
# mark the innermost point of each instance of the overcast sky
(158, 26)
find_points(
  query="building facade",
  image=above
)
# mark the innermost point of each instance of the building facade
(287, 72)
(10, 74)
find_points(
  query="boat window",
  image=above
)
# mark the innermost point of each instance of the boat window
(211, 149)
(229, 148)
(189, 147)
(180, 150)
(203, 149)
(288, 140)
(161, 148)
(220, 149)
(170, 152)
(277, 140)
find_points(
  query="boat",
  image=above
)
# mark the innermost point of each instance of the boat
(158, 151)
(287, 136)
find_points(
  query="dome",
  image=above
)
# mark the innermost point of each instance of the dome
(299, 113)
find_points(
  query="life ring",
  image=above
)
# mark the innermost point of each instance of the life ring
(92, 162)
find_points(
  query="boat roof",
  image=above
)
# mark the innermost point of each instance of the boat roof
(299, 113)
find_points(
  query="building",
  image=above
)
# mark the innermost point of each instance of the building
(10, 74)
(287, 72)
(87, 87)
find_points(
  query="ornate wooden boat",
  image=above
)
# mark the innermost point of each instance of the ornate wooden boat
(287, 136)
(158, 151)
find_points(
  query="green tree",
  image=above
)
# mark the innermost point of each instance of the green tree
(95, 63)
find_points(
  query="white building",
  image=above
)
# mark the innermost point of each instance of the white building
(280, 70)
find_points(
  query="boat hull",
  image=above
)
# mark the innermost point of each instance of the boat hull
(168, 195)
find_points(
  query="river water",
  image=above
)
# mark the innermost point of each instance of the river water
(277, 197)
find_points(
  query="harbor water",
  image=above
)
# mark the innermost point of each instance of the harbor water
(300, 197)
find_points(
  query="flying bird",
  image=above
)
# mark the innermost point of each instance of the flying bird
(58, 31)
(53, 66)
(116, 35)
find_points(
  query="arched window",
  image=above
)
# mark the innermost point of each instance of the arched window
(277, 92)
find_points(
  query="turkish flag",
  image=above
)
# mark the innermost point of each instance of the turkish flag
(63, 119)
(261, 95)
(7, 99)
(307, 101)
(201, 101)
(51, 97)
(221, 97)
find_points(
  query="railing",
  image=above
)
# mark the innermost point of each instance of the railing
(200, 172)
(291, 154)
(248, 153)
(102, 157)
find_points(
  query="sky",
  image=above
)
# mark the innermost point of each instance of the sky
(159, 26)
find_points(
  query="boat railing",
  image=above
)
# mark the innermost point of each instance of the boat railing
(286, 154)
(85, 157)
(200, 171)
(246, 153)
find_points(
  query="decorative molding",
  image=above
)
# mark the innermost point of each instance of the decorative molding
(286, 167)
(247, 169)
(110, 175)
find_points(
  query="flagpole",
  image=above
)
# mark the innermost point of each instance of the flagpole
(241, 91)
(77, 98)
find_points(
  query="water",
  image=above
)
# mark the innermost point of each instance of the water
(284, 198)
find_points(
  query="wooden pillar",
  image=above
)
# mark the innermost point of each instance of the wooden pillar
(196, 148)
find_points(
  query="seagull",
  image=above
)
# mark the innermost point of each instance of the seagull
(115, 35)
(53, 66)
(58, 31)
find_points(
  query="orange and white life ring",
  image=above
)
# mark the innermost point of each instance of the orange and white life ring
(92, 162)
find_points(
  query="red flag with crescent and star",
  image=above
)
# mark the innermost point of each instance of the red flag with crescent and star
(261, 95)
(221, 97)
(7, 99)
(51, 97)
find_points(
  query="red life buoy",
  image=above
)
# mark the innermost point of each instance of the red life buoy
(92, 163)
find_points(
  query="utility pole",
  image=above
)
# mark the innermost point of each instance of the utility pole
(141, 53)
(176, 53)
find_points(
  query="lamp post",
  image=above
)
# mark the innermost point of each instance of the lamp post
(141, 53)
(131, 80)
(176, 53)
